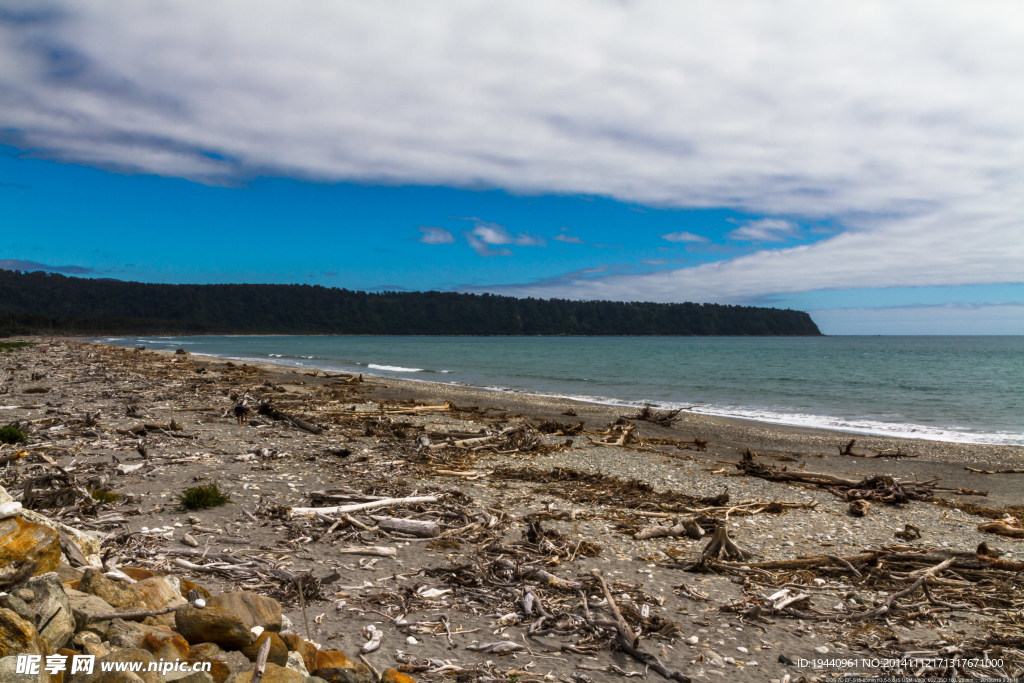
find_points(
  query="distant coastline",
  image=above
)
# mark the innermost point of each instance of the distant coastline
(40, 303)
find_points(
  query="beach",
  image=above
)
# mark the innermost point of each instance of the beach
(533, 495)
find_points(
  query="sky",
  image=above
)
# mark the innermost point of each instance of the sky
(860, 161)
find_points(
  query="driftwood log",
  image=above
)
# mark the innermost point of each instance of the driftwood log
(270, 411)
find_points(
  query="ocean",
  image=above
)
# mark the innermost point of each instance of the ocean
(966, 389)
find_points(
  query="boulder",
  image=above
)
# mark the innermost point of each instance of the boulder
(395, 676)
(334, 667)
(306, 649)
(278, 653)
(9, 672)
(196, 677)
(114, 593)
(18, 636)
(85, 606)
(214, 625)
(166, 645)
(157, 592)
(26, 549)
(252, 608)
(122, 633)
(272, 674)
(42, 600)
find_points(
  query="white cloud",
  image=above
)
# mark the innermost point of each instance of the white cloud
(765, 230)
(435, 235)
(683, 236)
(899, 122)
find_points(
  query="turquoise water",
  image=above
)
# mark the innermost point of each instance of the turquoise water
(945, 388)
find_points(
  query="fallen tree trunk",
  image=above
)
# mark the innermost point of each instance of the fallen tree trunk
(356, 507)
(413, 527)
(272, 412)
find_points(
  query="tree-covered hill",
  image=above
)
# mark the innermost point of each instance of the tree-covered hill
(44, 302)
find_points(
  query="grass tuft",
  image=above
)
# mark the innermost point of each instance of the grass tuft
(12, 434)
(199, 497)
(104, 496)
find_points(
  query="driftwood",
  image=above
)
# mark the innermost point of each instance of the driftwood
(881, 487)
(721, 543)
(374, 550)
(628, 642)
(412, 527)
(1008, 526)
(357, 507)
(686, 527)
(261, 662)
(270, 411)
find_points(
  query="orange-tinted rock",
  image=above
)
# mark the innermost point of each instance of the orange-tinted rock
(308, 650)
(114, 593)
(200, 650)
(18, 636)
(272, 674)
(167, 646)
(253, 609)
(393, 676)
(187, 585)
(278, 653)
(138, 573)
(334, 667)
(26, 549)
(213, 625)
(156, 593)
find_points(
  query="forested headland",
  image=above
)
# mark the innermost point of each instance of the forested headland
(37, 302)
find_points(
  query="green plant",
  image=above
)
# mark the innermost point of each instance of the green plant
(199, 497)
(104, 496)
(11, 346)
(12, 434)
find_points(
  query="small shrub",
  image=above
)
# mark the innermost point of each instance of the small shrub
(12, 434)
(199, 497)
(7, 347)
(103, 496)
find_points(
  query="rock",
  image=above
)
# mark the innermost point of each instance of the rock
(278, 653)
(157, 592)
(393, 676)
(138, 573)
(18, 636)
(334, 667)
(307, 650)
(84, 606)
(26, 549)
(166, 645)
(115, 593)
(252, 608)
(9, 672)
(196, 677)
(213, 625)
(272, 674)
(224, 663)
(185, 586)
(88, 542)
(49, 605)
(68, 573)
(296, 663)
(123, 633)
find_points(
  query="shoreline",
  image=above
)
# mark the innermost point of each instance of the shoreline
(437, 388)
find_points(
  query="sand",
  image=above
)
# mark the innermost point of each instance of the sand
(436, 598)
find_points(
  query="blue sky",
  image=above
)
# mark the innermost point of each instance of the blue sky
(863, 163)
